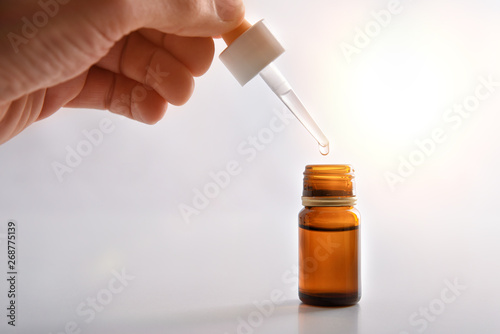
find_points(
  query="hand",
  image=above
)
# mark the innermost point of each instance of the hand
(127, 56)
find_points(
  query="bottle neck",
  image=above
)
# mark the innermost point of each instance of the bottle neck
(328, 185)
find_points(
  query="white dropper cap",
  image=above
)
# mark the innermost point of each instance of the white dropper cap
(251, 50)
(247, 55)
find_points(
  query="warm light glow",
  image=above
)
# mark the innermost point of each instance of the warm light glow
(397, 89)
(403, 94)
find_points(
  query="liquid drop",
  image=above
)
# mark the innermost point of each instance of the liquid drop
(324, 150)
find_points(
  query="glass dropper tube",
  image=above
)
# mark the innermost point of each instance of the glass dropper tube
(280, 86)
(251, 50)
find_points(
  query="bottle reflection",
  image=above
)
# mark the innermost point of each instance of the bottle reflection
(328, 320)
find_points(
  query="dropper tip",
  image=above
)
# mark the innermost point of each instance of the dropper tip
(324, 149)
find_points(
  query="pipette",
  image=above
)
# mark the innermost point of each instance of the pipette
(251, 50)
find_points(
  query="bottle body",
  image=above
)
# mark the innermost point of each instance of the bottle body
(328, 256)
(329, 238)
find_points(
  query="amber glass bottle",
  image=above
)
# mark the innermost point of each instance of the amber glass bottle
(328, 237)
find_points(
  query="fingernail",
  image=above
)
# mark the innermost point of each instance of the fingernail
(229, 10)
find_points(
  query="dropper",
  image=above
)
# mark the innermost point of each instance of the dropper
(252, 50)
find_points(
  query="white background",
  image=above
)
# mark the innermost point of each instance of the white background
(118, 210)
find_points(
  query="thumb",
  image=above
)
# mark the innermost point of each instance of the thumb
(201, 18)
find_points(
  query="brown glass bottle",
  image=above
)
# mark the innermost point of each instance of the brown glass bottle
(329, 237)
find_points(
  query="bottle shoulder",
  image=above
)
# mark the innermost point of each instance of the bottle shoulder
(329, 217)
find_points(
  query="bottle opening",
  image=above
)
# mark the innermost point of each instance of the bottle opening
(328, 181)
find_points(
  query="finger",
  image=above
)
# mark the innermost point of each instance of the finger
(107, 90)
(60, 95)
(196, 53)
(19, 114)
(191, 17)
(140, 60)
